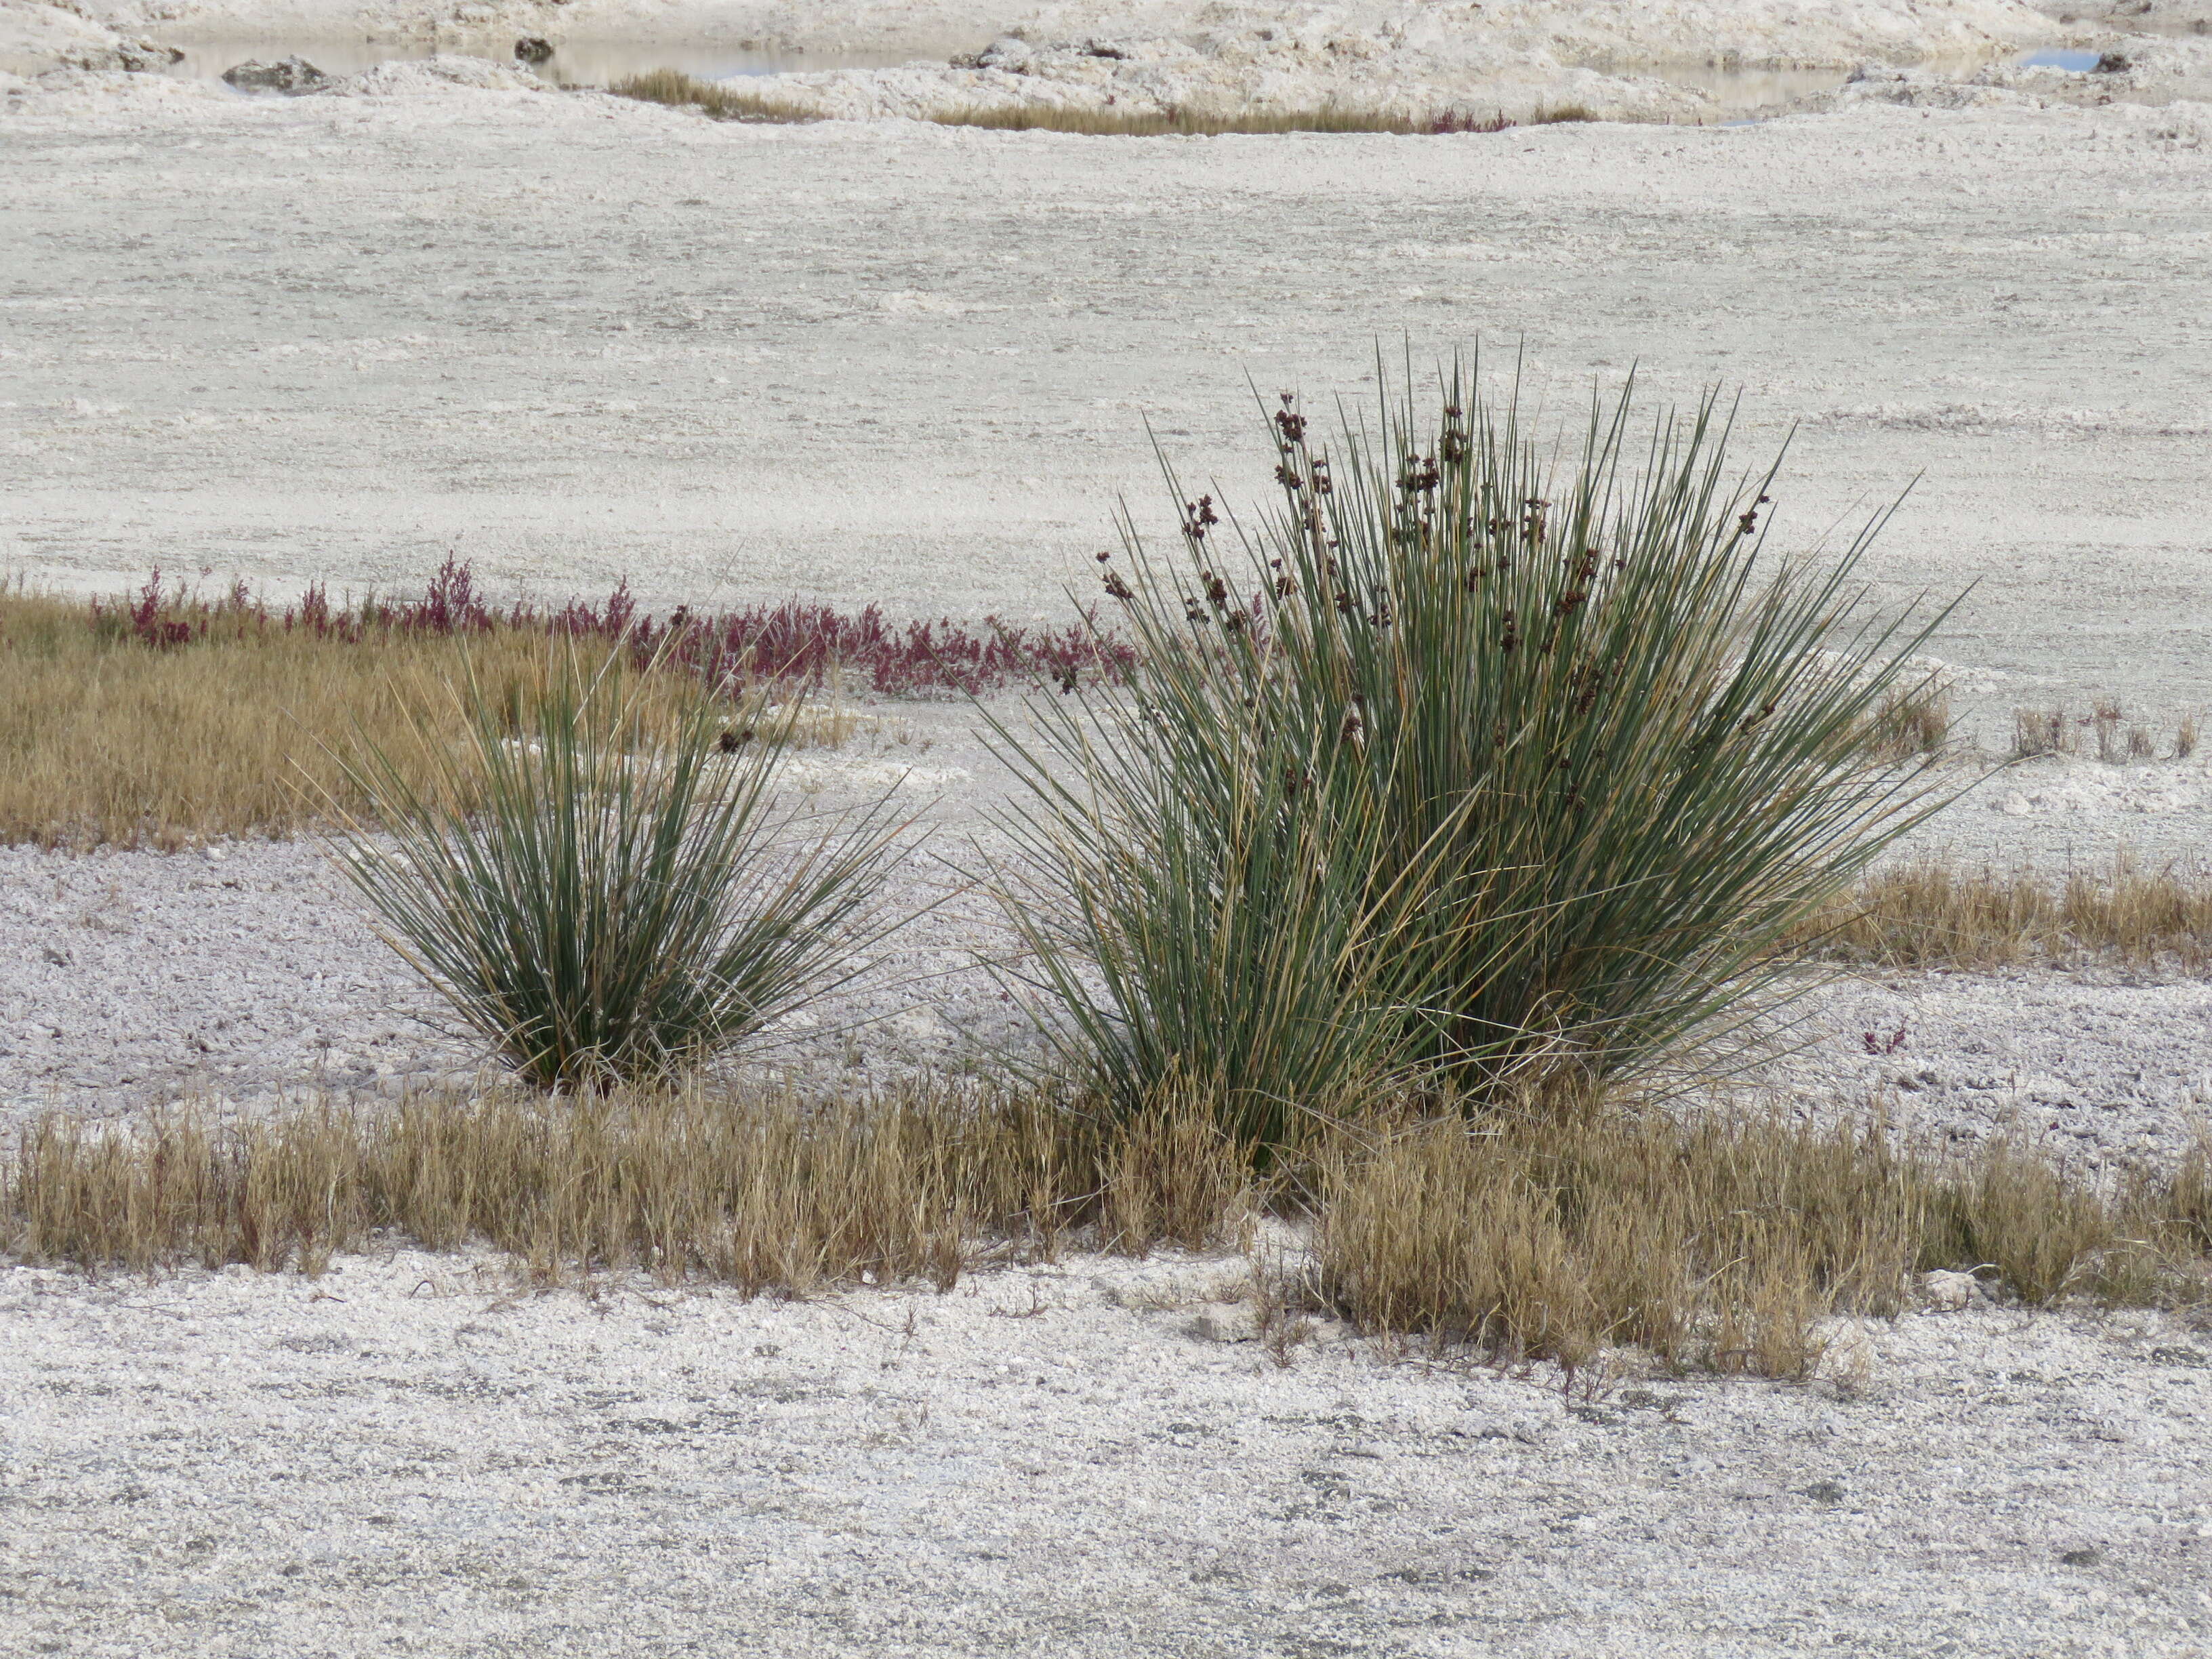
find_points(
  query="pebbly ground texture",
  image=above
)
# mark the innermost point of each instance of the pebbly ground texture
(246, 973)
(410, 1455)
(576, 338)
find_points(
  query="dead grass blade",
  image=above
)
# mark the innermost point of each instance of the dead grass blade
(105, 738)
(1722, 1242)
(770, 1195)
(1934, 914)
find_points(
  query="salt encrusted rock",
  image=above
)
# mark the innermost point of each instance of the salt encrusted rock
(1007, 52)
(1220, 1326)
(534, 49)
(1949, 1292)
(293, 75)
(436, 77)
(140, 57)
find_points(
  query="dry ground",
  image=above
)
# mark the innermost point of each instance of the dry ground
(407, 1458)
(577, 337)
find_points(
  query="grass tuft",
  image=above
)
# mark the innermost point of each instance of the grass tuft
(1464, 759)
(603, 893)
(1910, 724)
(722, 101)
(1720, 1242)
(2038, 731)
(1719, 1246)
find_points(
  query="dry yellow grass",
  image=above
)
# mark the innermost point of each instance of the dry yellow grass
(1931, 915)
(721, 102)
(105, 738)
(766, 1194)
(2105, 731)
(1910, 725)
(1719, 1243)
(724, 102)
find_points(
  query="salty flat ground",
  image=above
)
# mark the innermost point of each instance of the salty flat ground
(577, 339)
(403, 1457)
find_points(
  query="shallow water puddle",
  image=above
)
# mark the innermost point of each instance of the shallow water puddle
(1737, 89)
(2062, 57)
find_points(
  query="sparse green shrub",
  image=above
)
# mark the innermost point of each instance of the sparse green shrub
(1463, 758)
(605, 891)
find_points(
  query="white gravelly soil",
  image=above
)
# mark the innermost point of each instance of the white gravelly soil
(403, 1458)
(247, 973)
(575, 338)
